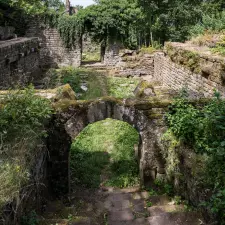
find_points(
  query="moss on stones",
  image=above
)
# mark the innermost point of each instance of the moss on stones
(187, 58)
(142, 86)
(65, 92)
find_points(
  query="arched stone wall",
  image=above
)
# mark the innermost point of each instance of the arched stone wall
(74, 116)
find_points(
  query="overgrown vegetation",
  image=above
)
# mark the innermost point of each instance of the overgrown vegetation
(90, 85)
(211, 32)
(202, 128)
(22, 118)
(122, 20)
(103, 154)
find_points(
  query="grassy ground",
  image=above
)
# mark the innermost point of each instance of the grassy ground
(98, 84)
(103, 154)
(91, 56)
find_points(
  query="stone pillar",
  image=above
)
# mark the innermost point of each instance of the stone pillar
(68, 8)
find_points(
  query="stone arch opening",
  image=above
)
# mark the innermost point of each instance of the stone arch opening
(103, 155)
(67, 125)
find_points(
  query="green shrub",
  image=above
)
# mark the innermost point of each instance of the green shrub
(30, 219)
(22, 119)
(204, 129)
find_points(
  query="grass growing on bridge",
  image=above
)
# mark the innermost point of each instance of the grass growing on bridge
(103, 154)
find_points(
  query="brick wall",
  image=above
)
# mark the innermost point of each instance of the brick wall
(19, 61)
(53, 52)
(176, 76)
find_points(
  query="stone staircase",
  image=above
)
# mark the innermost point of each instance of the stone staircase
(98, 67)
(118, 207)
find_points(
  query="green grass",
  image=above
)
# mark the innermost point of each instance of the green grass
(98, 84)
(91, 56)
(122, 87)
(105, 148)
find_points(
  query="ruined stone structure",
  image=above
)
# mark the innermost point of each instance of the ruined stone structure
(53, 52)
(145, 116)
(6, 33)
(154, 156)
(183, 66)
(111, 56)
(19, 61)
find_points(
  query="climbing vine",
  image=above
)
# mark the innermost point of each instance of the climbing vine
(70, 29)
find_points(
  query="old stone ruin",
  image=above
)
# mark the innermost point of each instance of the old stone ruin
(163, 74)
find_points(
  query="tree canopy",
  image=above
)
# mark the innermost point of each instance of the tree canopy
(132, 22)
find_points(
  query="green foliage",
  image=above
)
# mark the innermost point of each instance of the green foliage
(91, 56)
(22, 118)
(64, 75)
(32, 7)
(220, 47)
(100, 150)
(149, 204)
(30, 219)
(70, 29)
(23, 111)
(182, 119)
(203, 128)
(12, 16)
(111, 20)
(210, 22)
(163, 187)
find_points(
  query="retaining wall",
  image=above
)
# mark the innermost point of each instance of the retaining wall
(178, 67)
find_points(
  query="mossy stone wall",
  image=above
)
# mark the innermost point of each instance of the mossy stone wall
(181, 66)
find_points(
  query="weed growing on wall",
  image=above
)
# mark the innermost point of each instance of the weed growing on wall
(103, 154)
(203, 128)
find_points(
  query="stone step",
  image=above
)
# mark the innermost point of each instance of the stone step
(158, 200)
(176, 218)
(161, 209)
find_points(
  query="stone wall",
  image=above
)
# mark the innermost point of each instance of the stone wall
(6, 33)
(111, 57)
(180, 67)
(53, 52)
(185, 171)
(135, 64)
(19, 61)
(143, 115)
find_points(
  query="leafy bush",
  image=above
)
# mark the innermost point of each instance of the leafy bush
(204, 129)
(22, 118)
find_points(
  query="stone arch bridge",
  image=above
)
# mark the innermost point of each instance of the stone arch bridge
(72, 116)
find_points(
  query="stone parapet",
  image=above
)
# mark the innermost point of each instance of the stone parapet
(19, 61)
